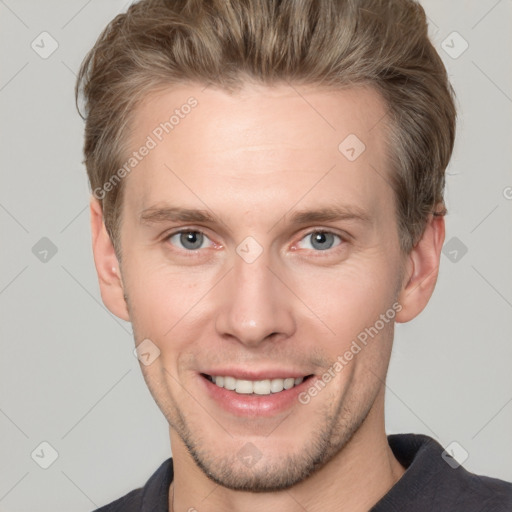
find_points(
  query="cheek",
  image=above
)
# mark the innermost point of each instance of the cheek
(163, 301)
(349, 298)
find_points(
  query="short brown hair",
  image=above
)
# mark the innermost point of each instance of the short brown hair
(333, 43)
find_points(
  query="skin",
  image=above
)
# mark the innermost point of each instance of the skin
(252, 159)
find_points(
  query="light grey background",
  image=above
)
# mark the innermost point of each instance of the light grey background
(67, 372)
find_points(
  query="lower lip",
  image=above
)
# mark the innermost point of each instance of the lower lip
(254, 405)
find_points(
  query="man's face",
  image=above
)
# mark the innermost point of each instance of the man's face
(257, 293)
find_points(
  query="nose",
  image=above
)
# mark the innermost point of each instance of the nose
(255, 304)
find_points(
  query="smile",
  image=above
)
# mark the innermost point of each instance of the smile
(256, 387)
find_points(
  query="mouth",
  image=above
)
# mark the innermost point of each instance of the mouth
(262, 387)
(255, 393)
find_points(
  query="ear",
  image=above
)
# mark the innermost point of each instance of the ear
(107, 265)
(421, 270)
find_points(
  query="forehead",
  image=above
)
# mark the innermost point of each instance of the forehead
(262, 144)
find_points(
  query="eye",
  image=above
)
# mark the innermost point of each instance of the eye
(189, 240)
(321, 240)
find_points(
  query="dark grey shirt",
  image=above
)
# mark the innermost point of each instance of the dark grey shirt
(428, 484)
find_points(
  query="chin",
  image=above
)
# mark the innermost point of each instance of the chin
(262, 464)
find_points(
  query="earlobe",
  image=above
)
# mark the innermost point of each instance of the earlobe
(107, 265)
(422, 269)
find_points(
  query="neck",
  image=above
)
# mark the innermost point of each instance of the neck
(354, 480)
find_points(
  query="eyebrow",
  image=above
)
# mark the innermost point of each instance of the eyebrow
(166, 214)
(331, 213)
(155, 215)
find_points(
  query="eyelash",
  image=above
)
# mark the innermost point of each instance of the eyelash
(327, 252)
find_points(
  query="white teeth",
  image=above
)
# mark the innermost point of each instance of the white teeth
(261, 387)
(258, 387)
(289, 383)
(276, 385)
(244, 387)
(229, 383)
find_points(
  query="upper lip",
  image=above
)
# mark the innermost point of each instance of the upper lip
(247, 374)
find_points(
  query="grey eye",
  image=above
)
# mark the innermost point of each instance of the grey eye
(190, 240)
(321, 240)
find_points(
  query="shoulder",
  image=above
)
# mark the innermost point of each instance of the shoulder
(153, 497)
(434, 480)
(131, 502)
(491, 494)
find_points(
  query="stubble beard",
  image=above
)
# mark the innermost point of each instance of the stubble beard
(332, 433)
